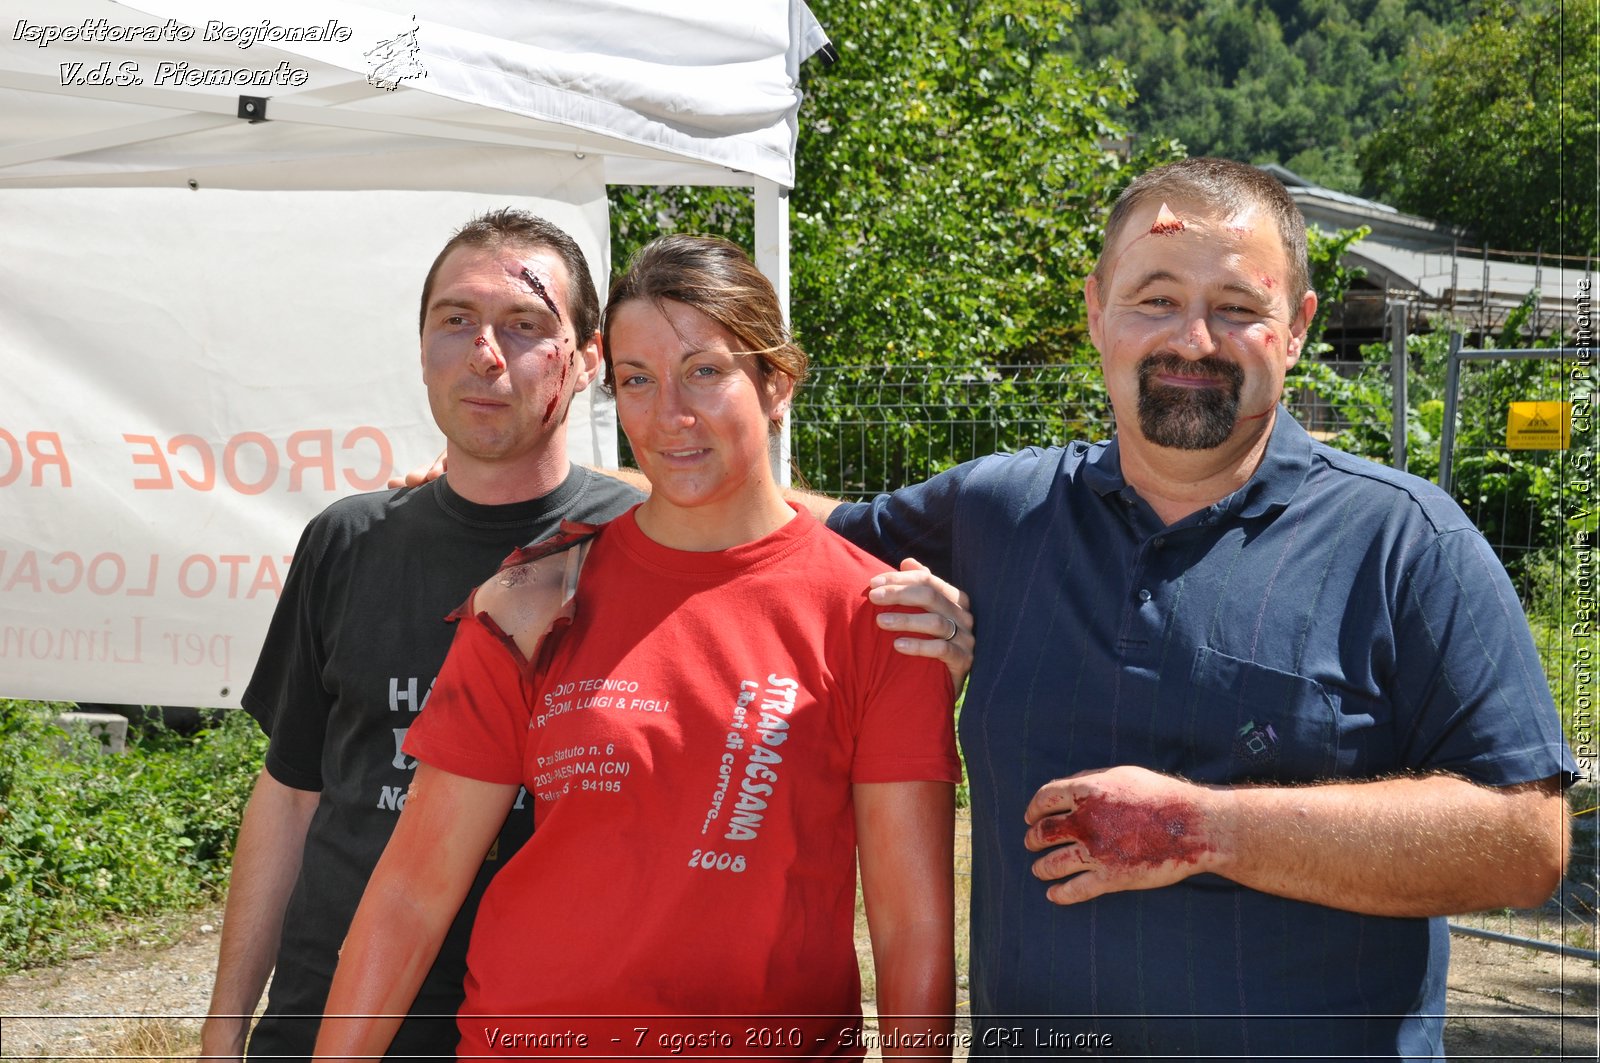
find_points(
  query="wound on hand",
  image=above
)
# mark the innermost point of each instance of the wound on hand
(1121, 834)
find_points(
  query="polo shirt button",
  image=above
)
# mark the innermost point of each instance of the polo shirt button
(1160, 541)
(1144, 596)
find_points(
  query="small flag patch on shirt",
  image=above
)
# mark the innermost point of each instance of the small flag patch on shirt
(1256, 743)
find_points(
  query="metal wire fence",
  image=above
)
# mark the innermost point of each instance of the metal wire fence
(860, 430)
(1522, 467)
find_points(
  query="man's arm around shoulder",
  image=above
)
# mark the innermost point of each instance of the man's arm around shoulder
(266, 863)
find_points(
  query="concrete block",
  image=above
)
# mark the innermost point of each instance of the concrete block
(109, 728)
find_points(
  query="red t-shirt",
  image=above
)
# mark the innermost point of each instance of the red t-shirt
(690, 742)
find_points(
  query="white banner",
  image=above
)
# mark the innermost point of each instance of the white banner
(186, 377)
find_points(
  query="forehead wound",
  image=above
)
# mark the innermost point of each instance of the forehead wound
(1166, 222)
(537, 287)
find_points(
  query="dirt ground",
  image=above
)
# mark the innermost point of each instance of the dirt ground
(1505, 1002)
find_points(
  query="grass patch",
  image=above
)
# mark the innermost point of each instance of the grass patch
(94, 848)
(156, 1039)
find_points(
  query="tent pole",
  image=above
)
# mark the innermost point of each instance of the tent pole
(772, 259)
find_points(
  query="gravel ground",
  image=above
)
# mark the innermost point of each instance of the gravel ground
(90, 1006)
(1505, 1002)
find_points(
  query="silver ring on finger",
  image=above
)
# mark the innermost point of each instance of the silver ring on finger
(954, 630)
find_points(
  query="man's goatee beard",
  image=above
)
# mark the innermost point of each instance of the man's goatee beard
(1188, 418)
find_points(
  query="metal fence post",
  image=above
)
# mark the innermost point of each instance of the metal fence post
(1397, 377)
(1447, 442)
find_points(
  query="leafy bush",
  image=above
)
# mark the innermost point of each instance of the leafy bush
(950, 186)
(1301, 83)
(89, 841)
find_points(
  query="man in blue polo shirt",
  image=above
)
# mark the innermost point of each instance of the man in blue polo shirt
(1248, 715)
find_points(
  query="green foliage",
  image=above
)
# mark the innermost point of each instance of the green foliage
(1515, 497)
(86, 838)
(1363, 401)
(1330, 277)
(640, 213)
(1360, 399)
(1302, 83)
(1496, 129)
(950, 186)
(949, 200)
(859, 430)
(1553, 577)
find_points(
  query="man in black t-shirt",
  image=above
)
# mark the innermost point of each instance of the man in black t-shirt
(509, 326)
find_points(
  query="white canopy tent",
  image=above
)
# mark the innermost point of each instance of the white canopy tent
(216, 225)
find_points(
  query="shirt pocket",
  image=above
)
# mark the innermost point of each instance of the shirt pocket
(1249, 721)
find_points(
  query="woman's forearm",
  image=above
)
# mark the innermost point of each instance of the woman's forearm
(413, 895)
(904, 832)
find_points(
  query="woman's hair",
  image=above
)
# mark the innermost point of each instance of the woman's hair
(718, 279)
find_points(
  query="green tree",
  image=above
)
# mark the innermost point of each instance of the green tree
(950, 187)
(1300, 82)
(1497, 127)
(953, 173)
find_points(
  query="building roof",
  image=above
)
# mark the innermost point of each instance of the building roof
(1417, 260)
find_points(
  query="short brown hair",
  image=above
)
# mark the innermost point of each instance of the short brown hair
(1227, 186)
(509, 227)
(718, 279)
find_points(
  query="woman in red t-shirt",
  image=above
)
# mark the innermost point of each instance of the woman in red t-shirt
(710, 727)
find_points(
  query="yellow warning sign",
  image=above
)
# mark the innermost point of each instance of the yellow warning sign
(1538, 425)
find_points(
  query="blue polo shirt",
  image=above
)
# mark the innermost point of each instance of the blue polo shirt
(1333, 618)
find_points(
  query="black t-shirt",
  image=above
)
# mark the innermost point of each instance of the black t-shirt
(349, 659)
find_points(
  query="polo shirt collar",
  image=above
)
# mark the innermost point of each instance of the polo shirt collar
(1282, 470)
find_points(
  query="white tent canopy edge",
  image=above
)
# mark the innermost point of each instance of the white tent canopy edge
(94, 603)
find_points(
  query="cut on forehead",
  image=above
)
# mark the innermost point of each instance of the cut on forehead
(1181, 219)
(522, 232)
(1215, 190)
(537, 271)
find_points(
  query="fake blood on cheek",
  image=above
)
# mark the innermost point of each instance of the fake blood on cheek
(561, 386)
(1130, 835)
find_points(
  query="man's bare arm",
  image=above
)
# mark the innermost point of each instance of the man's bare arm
(1405, 846)
(266, 862)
